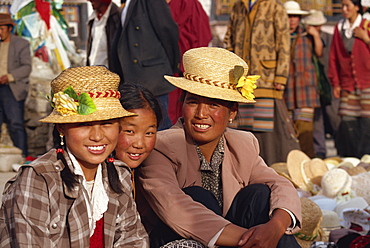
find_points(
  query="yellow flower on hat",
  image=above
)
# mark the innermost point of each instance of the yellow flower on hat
(64, 104)
(246, 86)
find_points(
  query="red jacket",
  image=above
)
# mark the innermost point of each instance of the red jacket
(349, 70)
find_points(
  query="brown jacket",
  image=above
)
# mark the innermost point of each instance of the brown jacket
(174, 165)
(262, 39)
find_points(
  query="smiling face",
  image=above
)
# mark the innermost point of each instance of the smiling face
(350, 11)
(137, 137)
(91, 142)
(205, 119)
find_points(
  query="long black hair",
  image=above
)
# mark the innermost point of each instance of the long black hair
(135, 96)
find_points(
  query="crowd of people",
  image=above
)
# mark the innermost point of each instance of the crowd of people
(163, 141)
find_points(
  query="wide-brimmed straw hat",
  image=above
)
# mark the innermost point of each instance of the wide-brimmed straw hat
(293, 8)
(85, 94)
(295, 163)
(5, 19)
(336, 183)
(216, 73)
(314, 170)
(315, 18)
(311, 223)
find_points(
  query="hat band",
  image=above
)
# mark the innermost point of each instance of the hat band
(108, 93)
(207, 81)
(306, 237)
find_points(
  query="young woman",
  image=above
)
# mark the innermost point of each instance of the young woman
(206, 182)
(74, 196)
(138, 135)
(349, 74)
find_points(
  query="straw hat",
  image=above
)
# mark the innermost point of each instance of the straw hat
(295, 164)
(311, 221)
(84, 94)
(5, 19)
(365, 158)
(336, 183)
(293, 8)
(315, 18)
(215, 73)
(315, 169)
(356, 170)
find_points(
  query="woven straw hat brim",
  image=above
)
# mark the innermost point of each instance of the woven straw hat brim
(107, 108)
(295, 161)
(205, 90)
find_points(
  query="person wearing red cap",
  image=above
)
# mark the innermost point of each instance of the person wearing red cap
(15, 68)
(102, 26)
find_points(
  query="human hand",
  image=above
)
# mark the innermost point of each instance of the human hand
(4, 79)
(279, 86)
(336, 91)
(312, 30)
(264, 235)
(362, 34)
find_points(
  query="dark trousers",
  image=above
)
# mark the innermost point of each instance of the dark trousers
(163, 103)
(12, 113)
(249, 208)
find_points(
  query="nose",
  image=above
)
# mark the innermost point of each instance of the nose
(96, 133)
(138, 142)
(202, 111)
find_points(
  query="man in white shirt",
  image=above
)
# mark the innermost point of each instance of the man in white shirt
(102, 25)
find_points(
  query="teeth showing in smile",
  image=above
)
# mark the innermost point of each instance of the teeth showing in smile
(202, 126)
(96, 148)
(135, 154)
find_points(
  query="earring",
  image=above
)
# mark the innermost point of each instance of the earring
(230, 121)
(61, 139)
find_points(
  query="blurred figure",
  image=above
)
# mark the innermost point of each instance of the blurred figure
(326, 117)
(301, 93)
(146, 48)
(349, 73)
(259, 33)
(102, 26)
(14, 72)
(195, 31)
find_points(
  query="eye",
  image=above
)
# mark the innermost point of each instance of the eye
(128, 131)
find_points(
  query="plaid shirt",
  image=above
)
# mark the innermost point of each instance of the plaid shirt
(39, 211)
(302, 88)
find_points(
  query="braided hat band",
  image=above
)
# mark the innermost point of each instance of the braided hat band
(216, 73)
(85, 94)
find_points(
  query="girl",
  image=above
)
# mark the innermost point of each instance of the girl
(74, 196)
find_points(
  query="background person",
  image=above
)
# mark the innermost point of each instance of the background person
(203, 179)
(301, 93)
(15, 68)
(101, 27)
(349, 74)
(258, 32)
(74, 196)
(146, 47)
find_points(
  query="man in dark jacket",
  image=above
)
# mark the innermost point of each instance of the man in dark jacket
(146, 48)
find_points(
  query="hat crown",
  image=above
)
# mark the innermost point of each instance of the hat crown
(292, 7)
(216, 64)
(86, 79)
(316, 17)
(6, 19)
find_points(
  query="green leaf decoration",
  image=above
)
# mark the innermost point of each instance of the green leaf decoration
(48, 98)
(71, 92)
(238, 72)
(86, 104)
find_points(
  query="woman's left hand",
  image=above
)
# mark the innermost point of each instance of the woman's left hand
(362, 34)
